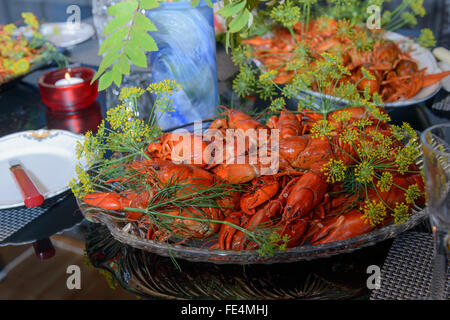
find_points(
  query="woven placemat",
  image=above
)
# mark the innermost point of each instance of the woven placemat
(443, 105)
(406, 273)
(14, 219)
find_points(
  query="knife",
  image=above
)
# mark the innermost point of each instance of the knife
(31, 196)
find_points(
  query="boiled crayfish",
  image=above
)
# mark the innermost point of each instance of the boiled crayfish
(307, 200)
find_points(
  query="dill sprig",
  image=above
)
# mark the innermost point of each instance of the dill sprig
(116, 157)
(378, 157)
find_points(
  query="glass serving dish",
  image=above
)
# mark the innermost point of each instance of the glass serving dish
(197, 250)
(192, 250)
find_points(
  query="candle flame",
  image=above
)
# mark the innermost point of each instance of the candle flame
(67, 76)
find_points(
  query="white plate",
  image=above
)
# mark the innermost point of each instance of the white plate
(49, 158)
(65, 35)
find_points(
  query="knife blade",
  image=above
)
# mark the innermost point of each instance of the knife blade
(31, 195)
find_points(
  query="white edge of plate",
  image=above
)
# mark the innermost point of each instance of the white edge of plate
(75, 136)
(88, 27)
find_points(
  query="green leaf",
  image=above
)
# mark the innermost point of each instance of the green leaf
(115, 41)
(143, 22)
(143, 40)
(116, 75)
(123, 64)
(136, 55)
(108, 60)
(194, 3)
(117, 22)
(240, 21)
(209, 3)
(148, 4)
(105, 80)
(123, 7)
(232, 8)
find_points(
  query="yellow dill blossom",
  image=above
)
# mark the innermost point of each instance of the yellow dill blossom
(413, 193)
(362, 123)
(331, 57)
(342, 116)
(377, 99)
(349, 135)
(118, 116)
(374, 212)
(364, 172)
(385, 182)
(407, 156)
(322, 129)
(30, 19)
(397, 132)
(165, 87)
(366, 74)
(130, 93)
(409, 131)
(295, 64)
(377, 112)
(426, 38)
(10, 28)
(417, 8)
(401, 213)
(267, 76)
(277, 104)
(334, 170)
(83, 185)
(89, 149)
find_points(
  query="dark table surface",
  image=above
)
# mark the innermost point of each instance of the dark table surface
(152, 276)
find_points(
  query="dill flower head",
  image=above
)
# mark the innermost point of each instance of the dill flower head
(413, 193)
(334, 170)
(349, 135)
(366, 74)
(165, 87)
(287, 14)
(277, 104)
(417, 8)
(30, 19)
(130, 93)
(401, 213)
(322, 129)
(374, 212)
(385, 182)
(118, 116)
(342, 116)
(362, 123)
(426, 38)
(364, 172)
(407, 156)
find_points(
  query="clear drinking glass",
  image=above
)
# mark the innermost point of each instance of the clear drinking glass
(436, 149)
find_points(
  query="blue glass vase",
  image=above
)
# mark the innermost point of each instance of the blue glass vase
(187, 54)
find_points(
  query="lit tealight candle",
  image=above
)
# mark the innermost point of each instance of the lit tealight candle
(68, 80)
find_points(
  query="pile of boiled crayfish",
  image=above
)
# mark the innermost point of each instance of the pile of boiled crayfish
(296, 201)
(396, 74)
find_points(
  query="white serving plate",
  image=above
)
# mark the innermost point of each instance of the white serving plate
(424, 58)
(49, 158)
(67, 34)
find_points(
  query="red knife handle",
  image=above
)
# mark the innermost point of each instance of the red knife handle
(32, 197)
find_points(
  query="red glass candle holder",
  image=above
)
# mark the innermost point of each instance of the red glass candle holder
(69, 98)
(87, 119)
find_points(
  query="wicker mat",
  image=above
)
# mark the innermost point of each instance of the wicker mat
(406, 273)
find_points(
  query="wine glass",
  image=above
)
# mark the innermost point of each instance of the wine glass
(436, 150)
